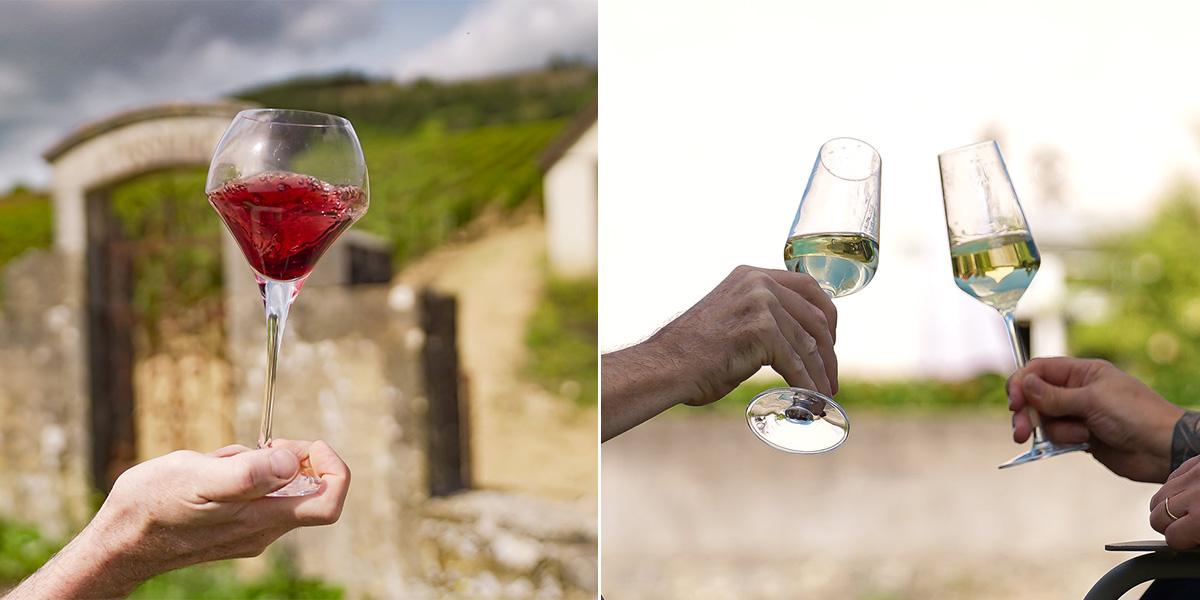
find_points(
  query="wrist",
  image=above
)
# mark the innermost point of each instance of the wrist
(638, 383)
(1185, 439)
(91, 566)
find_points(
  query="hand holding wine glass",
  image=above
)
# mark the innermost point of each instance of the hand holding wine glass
(992, 252)
(287, 184)
(835, 239)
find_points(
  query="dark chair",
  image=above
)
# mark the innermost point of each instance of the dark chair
(1158, 562)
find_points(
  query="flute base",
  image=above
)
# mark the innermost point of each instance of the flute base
(304, 484)
(797, 420)
(1040, 451)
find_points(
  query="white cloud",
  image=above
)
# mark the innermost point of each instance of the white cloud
(506, 35)
(13, 82)
(65, 63)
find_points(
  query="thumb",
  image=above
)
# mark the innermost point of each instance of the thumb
(248, 475)
(1052, 400)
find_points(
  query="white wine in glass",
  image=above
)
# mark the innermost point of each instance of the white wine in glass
(842, 263)
(992, 252)
(996, 270)
(835, 239)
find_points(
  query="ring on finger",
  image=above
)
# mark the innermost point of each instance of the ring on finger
(1167, 505)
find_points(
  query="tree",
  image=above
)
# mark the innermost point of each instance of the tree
(1151, 278)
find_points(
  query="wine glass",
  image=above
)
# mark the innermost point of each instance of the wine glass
(993, 254)
(287, 184)
(835, 239)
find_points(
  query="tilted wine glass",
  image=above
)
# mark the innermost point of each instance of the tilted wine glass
(835, 239)
(993, 254)
(287, 184)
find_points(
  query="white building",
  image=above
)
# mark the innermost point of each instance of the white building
(570, 192)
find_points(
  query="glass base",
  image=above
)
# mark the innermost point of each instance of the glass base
(1040, 451)
(797, 420)
(303, 485)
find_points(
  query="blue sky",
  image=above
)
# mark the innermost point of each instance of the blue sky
(63, 63)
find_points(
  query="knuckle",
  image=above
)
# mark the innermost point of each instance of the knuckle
(807, 343)
(741, 271)
(756, 280)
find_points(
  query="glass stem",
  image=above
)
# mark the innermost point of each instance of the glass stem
(1015, 337)
(1010, 322)
(277, 297)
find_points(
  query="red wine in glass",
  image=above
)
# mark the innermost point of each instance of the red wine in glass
(284, 222)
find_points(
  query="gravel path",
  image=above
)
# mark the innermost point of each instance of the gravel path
(908, 508)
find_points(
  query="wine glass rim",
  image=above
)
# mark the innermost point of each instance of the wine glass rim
(976, 145)
(299, 118)
(876, 162)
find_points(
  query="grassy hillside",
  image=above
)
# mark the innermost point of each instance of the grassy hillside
(551, 94)
(26, 221)
(427, 184)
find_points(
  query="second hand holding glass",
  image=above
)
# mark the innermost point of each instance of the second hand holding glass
(993, 253)
(835, 239)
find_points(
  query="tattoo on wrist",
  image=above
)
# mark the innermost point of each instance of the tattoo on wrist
(1186, 442)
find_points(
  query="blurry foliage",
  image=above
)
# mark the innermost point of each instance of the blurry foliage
(427, 185)
(177, 263)
(1152, 325)
(550, 94)
(26, 221)
(23, 550)
(220, 580)
(562, 340)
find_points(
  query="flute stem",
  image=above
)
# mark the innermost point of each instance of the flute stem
(1018, 348)
(1015, 337)
(277, 298)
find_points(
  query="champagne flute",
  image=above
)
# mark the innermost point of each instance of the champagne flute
(835, 239)
(287, 184)
(992, 252)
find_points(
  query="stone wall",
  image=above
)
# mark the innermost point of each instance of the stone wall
(347, 375)
(484, 544)
(44, 441)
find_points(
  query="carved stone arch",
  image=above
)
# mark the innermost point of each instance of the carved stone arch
(88, 164)
(105, 153)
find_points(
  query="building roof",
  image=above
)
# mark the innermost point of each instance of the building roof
(583, 120)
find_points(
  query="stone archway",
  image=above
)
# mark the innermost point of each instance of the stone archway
(88, 165)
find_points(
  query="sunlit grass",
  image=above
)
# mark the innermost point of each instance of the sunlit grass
(562, 340)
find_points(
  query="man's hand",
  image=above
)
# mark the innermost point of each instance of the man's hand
(186, 508)
(754, 318)
(1129, 427)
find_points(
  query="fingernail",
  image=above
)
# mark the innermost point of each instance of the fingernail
(1035, 386)
(284, 464)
